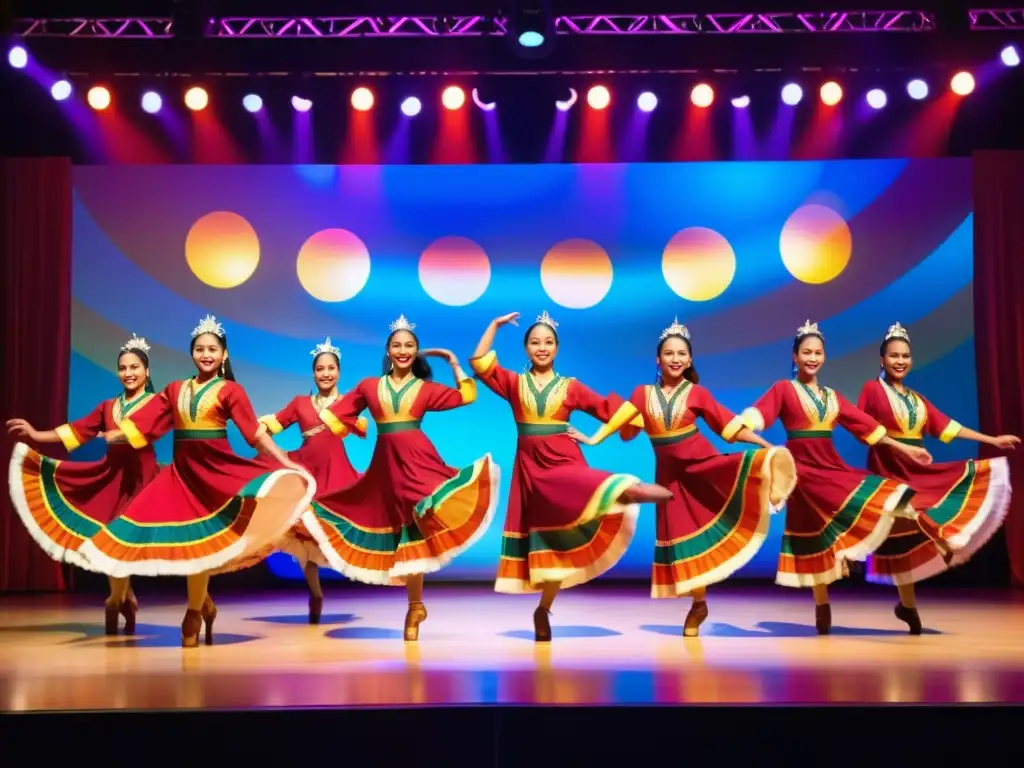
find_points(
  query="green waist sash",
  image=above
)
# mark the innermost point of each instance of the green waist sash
(200, 434)
(391, 427)
(909, 440)
(804, 434)
(540, 430)
(657, 441)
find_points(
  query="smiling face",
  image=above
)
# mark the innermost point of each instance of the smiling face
(208, 353)
(402, 350)
(809, 357)
(132, 371)
(541, 347)
(673, 359)
(896, 361)
(326, 372)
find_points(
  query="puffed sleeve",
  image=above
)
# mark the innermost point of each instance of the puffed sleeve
(438, 397)
(280, 421)
(500, 381)
(858, 423)
(239, 409)
(939, 424)
(76, 433)
(342, 415)
(718, 417)
(766, 410)
(151, 421)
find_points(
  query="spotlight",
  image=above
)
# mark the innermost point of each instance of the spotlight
(453, 97)
(792, 94)
(831, 94)
(962, 83)
(647, 101)
(702, 95)
(300, 104)
(598, 97)
(1010, 56)
(362, 99)
(60, 90)
(98, 97)
(741, 102)
(252, 103)
(18, 57)
(917, 89)
(876, 98)
(565, 106)
(532, 28)
(411, 107)
(486, 106)
(151, 102)
(196, 99)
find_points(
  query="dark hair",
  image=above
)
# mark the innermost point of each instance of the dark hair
(800, 340)
(420, 367)
(316, 359)
(145, 364)
(229, 374)
(690, 374)
(526, 336)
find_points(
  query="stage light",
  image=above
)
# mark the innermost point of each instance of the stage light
(60, 90)
(531, 26)
(252, 103)
(300, 104)
(702, 95)
(411, 107)
(962, 83)
(647, 101)
(531, 39)
(876, 98)
(151, 102)
(831, 94)
(362, 99)
(98, 97)
(18, 57)
(1010, 56)
(917, 89)
(565, 106)
(196, 99)
(598, 97)
(792, 94)
(741, 102)
(486, 106)
(453, 97)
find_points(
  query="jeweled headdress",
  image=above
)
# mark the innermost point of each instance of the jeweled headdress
(676, 329)
(136, 344)
(545, 319)
(321, 349)
(809, 329)
(401, 324)
(897, 331)
(208, 324)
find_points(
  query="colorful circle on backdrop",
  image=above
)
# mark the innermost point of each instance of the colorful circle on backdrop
(576, 273)
(454, 271)
(698, 264)
(222, 249)
(816, 244)
(333, 265)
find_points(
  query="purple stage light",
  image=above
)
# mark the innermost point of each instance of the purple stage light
(18, 57)
(411, 107)
(647, 101)
(301, 105)
(252, 103)
(60, 90)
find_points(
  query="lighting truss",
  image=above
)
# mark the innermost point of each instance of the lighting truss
(1007, 19)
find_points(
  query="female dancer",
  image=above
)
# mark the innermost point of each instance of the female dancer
(836, 513)
(720, 513)
(966, 501)
(410, 514)
(566, 522)
(62, 503)
(211, 510)
(323, 456)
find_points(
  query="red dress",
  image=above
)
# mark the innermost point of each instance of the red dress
(721, 510)
(409, 513)
(323, 455)
(565, 520)
(63, 503)
(211, 509)
(836, 513)
(962, 503)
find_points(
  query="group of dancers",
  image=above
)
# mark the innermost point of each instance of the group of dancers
(212, 511)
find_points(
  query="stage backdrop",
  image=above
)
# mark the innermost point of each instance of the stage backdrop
(743, 253)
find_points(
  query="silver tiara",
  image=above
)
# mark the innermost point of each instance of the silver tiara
(545, 319)
(136, 344)
(809, 329)
(676, 329)
(897, 331)
(320, 349)
(401, 324)
(208, 324)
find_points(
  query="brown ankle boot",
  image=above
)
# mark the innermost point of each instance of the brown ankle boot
(823, 618)
(128, 609)
(698, 613)
(316, 608)
(209, 613)
(190, 627)
(110, 613)
(910, 616)
(541, 625)
(415, 616)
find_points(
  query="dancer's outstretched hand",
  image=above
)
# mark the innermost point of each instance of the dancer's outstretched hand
(1006, 442)
(920, 455)
(447, 354)
(512, 318)
(21, 428)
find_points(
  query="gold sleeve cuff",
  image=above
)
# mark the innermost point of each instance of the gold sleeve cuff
(467, 388)
(638, 421)
(627, 411)
(732, 428)
(135, 438)
(951, 431)
(752, 419)
(483, 364)
(272, 424)
(877, 434)
(362, 425)
(333, 423)
(67, 435)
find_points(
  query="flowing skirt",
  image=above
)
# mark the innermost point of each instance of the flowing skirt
(962, 505)
(566, 522)
(64, 503)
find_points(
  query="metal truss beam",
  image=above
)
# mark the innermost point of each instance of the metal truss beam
(1008, 19)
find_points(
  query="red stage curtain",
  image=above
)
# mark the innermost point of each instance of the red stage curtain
(999, 318)
(35, 232)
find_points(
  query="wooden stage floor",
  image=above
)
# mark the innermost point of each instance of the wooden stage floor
(612, 646)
